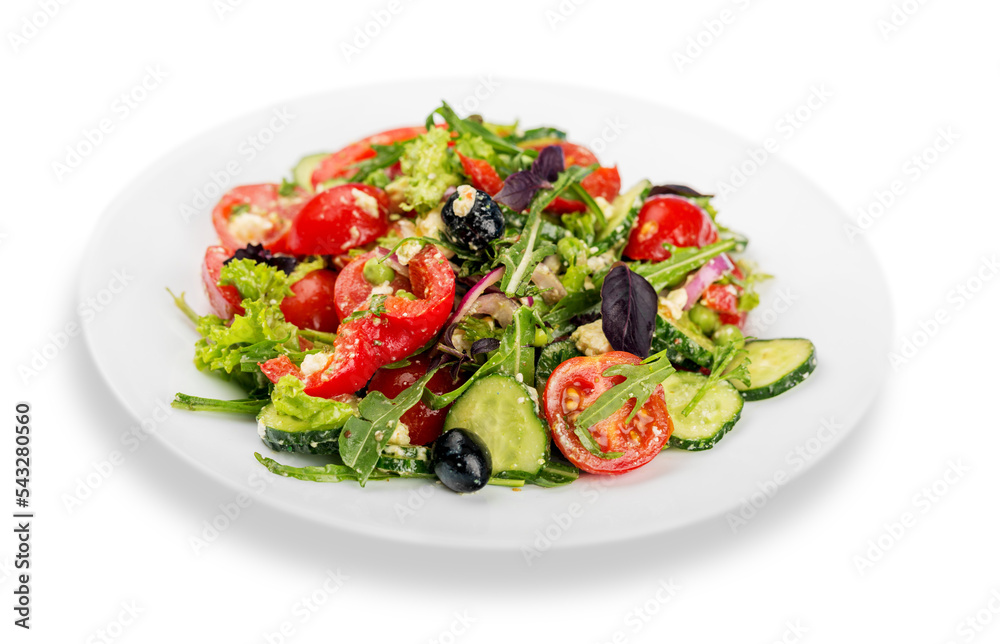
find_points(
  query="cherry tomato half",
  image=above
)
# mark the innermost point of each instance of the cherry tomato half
(256, 214)
(339, 219)
(602, 182)
(353, 289)
(224, 300)
(482, 175)
(338, 164)
(573, 386)
(312, 306)
(724, 298)
(424, 424)
(668, 219)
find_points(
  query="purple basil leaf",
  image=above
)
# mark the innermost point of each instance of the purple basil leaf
(261, 255)
(549, 163)
(675, 189)
(484, 345)
(518, 190)
(628, 311)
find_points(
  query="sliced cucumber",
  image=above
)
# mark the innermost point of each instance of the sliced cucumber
(682, 340)
(303, 171)
(624, 211)
(709, 421)
(776, 366)
(286, 434)
(408, 461)
(499, 410)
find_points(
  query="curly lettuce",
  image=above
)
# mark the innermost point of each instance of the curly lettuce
(427, 170)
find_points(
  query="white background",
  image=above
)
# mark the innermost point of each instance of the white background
(793, 572)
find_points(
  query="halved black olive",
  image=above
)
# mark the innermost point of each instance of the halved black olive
(473, 218)
(461, 460)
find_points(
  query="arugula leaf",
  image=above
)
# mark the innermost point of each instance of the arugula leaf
(196, 403)
(684, 260)
(288, 188)
(591, 445)
(516, 355)
(641, 381)
(363, 438)
(569, 307)
(551, 357)
(329, 473)
(523, 255)
(385, 156)
(469, 126)
(724, 356)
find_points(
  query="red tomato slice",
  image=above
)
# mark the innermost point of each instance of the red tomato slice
(312, 305)
(224, 300)
(669, 219)
(338, 164)
(339, 219)
(602, 182)
(262, 216)
(573, 386)
(424, 424)
(736, 319)
(353, 290)
(482, 175)
(724, 298)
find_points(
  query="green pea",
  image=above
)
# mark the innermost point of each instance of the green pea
(406, 295)
(727, 334)
(704, 318)
(541, 338)
(377, 273)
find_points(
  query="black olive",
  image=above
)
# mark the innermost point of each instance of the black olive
(462, 460)
(472, 226)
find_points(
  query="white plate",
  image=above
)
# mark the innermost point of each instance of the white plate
(143, 345)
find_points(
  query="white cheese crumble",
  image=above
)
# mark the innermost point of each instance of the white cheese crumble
(400, 435)
(462, 206)
(590, 339)
(367, 203)
(600, 262)
(250, 228)
(261, 429)
(382, 289)
(314, 362)
(407, 250)
(671, 305)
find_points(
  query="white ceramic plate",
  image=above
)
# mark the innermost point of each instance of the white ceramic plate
(827, 289)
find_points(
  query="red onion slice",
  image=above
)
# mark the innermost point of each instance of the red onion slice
(470, 298)
(705, 277)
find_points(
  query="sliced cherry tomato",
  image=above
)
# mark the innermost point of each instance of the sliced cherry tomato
(668, 219)
(224, 300)
(256, 214)
(383, 334)
(736, 319)
(339, 219)
(724, 298)
(353, 289)
(338, 164)
(573, 386)
(424, 424)
(482, 175)
(312, 305)
(602, 182)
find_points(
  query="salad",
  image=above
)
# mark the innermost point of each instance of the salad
(480, 304)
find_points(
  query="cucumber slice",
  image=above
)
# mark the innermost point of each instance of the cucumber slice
(499, 410)
(286, 434)
(776, 366)
(624, 211)
(709, 421)
(682, 340)
(409, 461)
(303, 171)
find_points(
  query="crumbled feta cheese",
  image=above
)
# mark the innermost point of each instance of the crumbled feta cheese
(314, 362)
(382, 289)
(462, 205)
(250, 228)
(367, 203)
(355, 237)
(590, 339)
(261, 429)
(407, 250)
(671, 306)
(400, 435)
(600, 262)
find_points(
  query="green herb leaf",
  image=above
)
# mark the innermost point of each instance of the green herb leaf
(683, 261)
(196, 403)
(288, 188)
(329, 473)
(385, 156)
(724, 356)
(641, 381)
(590, 444)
